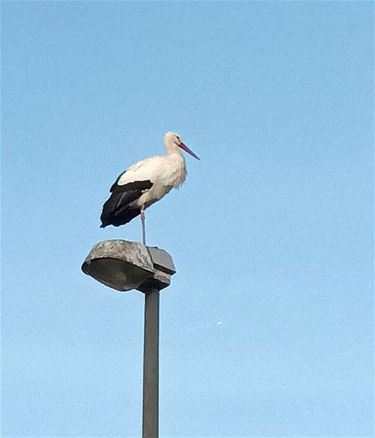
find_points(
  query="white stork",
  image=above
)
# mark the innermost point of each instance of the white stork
(144, 183)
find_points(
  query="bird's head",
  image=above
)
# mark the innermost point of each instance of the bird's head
(172, 138)
(173, 141)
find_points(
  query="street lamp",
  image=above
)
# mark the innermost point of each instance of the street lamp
(124, 265)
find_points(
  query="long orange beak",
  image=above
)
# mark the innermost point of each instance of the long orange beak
(186, 149)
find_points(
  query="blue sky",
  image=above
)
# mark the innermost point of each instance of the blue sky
(267, 329)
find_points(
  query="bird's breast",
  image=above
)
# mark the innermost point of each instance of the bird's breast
(169, 173)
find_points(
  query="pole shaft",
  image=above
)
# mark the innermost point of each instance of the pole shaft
(150, 423)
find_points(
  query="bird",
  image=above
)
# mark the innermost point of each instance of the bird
(145, 183)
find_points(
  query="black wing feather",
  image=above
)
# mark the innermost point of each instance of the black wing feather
(117, 210)
(114, 185)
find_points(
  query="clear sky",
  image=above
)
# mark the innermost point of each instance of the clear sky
(267, 328)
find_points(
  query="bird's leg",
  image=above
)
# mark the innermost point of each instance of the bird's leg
(143, 224)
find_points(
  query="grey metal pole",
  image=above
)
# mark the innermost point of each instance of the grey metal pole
(124, 265)
(150, 423)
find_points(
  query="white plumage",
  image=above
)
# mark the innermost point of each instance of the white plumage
(165, 172)
(146, 182)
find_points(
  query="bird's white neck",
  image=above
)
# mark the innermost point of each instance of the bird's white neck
(177, 156)
(178, 165)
